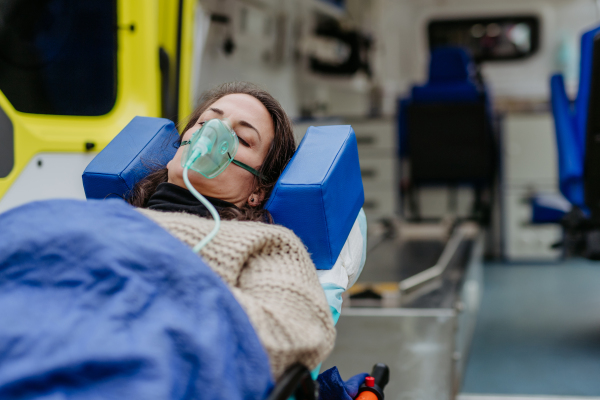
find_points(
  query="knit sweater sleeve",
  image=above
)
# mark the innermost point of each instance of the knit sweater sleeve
(281, 294)
(270, 273)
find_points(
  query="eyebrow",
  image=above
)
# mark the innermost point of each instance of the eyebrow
(243, 123)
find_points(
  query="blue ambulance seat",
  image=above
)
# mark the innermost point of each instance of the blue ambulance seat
(450, 80)
(444, 128)
(318, 196)
(570, 123)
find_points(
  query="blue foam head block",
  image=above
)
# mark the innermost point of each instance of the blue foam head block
(320, 192)
(144, 145)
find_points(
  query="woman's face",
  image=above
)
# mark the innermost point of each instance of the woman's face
(254, 127)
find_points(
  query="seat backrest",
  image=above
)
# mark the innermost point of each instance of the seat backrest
(571, 124)
(570, 158)
(449, 144)
(318, 196)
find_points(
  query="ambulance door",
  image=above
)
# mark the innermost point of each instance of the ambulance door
(72, 75)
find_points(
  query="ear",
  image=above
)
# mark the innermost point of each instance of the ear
(256, 198)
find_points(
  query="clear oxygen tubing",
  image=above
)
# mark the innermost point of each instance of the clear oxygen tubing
(202, 200)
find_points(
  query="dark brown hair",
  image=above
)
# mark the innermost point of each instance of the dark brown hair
(281, 151)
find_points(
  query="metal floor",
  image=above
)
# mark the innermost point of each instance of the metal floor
(538, 333)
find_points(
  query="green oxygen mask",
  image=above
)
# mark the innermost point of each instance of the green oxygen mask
(212, 148)
(209, 151)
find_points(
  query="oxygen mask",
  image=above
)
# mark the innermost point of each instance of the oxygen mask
(212, 148)
(208, 152)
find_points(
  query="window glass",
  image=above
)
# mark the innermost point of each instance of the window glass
(59, 56)
(488, 39)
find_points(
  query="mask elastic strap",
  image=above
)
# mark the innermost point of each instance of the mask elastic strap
(248, 168)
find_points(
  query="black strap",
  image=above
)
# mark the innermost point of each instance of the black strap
(249, 169)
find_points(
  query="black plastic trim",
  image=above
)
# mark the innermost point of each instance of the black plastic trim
(7, 145)
(178, 62)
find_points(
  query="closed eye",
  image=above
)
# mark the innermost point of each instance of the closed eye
(242, 141)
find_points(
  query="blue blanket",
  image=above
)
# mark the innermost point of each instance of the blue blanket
(98, 302)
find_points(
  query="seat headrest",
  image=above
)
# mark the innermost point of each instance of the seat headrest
(318, 196)
(320, 192)
(450, 64)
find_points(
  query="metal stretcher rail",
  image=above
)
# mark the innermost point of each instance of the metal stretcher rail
(438, 269)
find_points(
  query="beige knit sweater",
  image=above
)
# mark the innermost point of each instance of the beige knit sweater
(272, 276)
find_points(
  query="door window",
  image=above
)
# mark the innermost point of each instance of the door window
(59, 56)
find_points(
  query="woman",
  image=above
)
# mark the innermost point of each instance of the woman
(266, 266)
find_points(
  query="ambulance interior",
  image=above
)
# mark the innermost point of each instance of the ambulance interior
(476, 128)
